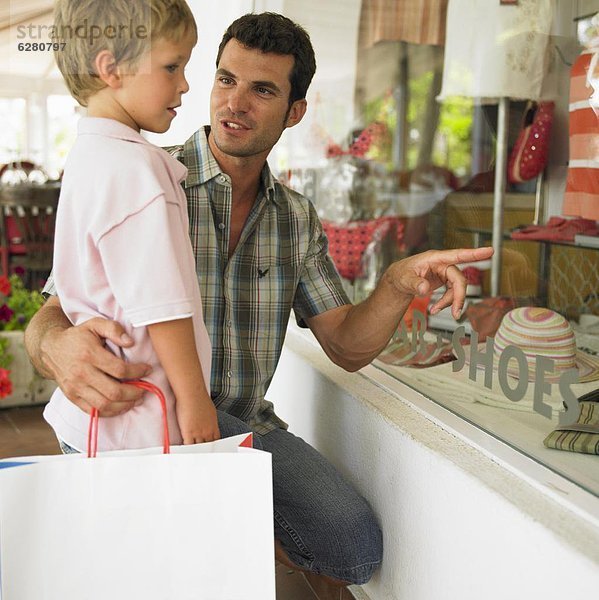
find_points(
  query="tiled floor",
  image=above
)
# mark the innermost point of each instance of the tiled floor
(23, 432)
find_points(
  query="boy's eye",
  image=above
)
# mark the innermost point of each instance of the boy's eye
(171, 68)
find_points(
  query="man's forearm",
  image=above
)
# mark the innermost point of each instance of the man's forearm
(50, 316)
(368, 326)
(352, 336)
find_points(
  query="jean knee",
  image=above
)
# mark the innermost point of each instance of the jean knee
(356, 550)
(367, 543)
(230, 426)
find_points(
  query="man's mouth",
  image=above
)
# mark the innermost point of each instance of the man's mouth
(233, 125)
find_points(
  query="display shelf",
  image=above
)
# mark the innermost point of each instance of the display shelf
(574, 275)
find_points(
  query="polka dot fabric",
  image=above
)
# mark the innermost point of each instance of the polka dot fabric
(348, 242)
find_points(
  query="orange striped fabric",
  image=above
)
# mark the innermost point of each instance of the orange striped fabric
(581, 198)
(584, 145)
(583, 121)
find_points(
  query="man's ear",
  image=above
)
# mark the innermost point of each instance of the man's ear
(296, 112)
(107, 69)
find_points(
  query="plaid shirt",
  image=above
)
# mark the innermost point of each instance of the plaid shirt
(281, 262)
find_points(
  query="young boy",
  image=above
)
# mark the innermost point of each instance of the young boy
(122, 247)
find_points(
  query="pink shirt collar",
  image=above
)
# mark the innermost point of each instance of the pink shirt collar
(120, 131)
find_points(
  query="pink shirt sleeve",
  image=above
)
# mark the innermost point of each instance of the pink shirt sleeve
(144, 258)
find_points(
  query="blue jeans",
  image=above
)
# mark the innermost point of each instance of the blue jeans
(321, 522)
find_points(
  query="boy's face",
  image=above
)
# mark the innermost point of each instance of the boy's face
(249, 103)
(150, 96)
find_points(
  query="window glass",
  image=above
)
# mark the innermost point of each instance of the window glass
(472, 123)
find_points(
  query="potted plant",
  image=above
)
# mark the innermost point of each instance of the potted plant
(19, 383)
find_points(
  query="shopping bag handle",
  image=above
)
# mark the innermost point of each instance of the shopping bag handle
(92, 433)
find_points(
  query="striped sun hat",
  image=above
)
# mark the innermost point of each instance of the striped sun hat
(543, 332)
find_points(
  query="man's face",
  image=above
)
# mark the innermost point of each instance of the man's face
(249, 104)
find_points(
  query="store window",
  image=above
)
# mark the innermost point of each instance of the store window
(476, 123)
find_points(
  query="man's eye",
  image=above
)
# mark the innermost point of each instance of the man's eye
(225, 80)
(264, 91)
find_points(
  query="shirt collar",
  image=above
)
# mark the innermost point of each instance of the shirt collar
(202, 166)
(120, 131)
(109, 128)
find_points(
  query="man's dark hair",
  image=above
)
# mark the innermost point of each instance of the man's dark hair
(271, 32)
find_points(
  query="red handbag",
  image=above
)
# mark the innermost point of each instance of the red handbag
(531, 150)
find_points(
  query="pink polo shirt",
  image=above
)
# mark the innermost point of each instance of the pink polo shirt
(122, 252)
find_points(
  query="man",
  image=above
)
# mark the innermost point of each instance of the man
(260, 252)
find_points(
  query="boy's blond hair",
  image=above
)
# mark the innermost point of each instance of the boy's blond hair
(126, 28)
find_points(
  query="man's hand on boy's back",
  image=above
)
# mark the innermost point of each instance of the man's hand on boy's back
(86, 371)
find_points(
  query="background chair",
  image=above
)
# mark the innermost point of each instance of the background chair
(27, 230)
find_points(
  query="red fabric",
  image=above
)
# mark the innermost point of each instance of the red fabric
(486, 316)
(14, 237)
(348, 242)
(473, 275)
(557, 229)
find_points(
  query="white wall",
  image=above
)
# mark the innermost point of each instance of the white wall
(456, 525)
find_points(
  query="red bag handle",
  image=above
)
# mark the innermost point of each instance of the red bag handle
(92, 433)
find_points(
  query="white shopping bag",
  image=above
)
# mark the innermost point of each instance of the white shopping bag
(195, 524)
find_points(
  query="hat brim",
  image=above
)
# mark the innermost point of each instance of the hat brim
(586, 364)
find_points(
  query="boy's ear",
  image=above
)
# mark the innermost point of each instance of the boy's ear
(296, 113)
(107, 69)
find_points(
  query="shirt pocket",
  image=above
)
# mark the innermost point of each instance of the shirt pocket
(275, 291)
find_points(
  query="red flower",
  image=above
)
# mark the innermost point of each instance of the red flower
(4, 285)
(334, 150)
(5, 313)
(5, 383)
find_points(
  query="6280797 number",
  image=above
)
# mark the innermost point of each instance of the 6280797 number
(40, 46)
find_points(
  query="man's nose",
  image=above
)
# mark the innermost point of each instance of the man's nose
(238, 100)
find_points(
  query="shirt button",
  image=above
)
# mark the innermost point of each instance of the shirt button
(229, 373)
(229, 323)
(222, 179)
(221, 226)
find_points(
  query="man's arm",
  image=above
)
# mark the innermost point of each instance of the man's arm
(352, 336)
(76, 358)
